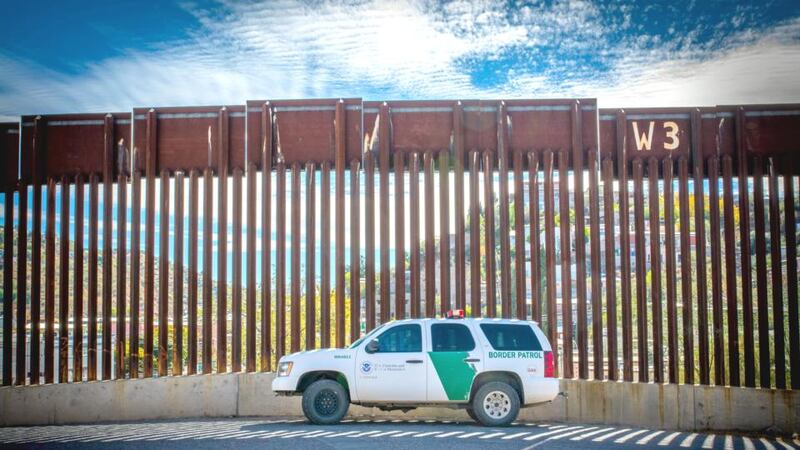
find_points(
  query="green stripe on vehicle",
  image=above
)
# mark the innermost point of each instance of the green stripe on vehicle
(454, 373)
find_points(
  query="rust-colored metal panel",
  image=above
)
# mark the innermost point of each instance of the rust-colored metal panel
(655, 269)
(505, 238)
(700, 247)
(236, 268)
(208, 218)
(163, 276)
(8, 282)
(295, 209)
(790, 227)
(596, 278)
(535, 236)
(369, 238)
(178, 280)
(621, 156)
(459, 161)
(9, 147)
(731, 293)
(108, 194)
(444, 231)
(686, 272)
(430, 252)
(192, 288)
(716, 271)
(550, 251)
(759, 217)
(223, 168)
(340, 162)
(77, 287)
(265, 150)
(399, 237)
(488, 238)
(250, 299)
(610, 266)
(416, 126)
(311, 242)
(189, 137)
(519, 239)
(355, 254)
(667, 172)
(414, 236)
(305, 130)
(474, 233)
(777, 278)
(91, 342)
(480, 125)
(577, 153)
(771, 130)
(280, 265)
(746, 264)
(63, 283)
(641, 281)
(136, 214)
(384, 148)
(122, 254)
(325, 253)
(50, 285)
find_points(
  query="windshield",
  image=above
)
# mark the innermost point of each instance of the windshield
(371, 333)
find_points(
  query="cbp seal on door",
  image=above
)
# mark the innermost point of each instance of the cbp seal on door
(366, 367)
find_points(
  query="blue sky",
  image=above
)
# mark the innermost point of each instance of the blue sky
(76, 56)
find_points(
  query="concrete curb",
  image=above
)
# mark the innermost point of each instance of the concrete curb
(648, 405)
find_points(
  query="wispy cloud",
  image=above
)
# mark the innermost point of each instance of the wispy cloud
(416, 49)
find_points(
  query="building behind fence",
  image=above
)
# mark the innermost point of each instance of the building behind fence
(652, 244)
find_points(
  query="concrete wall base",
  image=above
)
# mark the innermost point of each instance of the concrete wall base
(647, 405)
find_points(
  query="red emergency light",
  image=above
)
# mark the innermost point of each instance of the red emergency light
(455, 314)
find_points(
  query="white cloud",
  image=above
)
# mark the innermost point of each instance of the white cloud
(414, 49)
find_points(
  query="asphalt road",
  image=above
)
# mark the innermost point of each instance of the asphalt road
(367, 434)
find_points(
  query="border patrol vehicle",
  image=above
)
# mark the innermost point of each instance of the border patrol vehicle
(490, 367)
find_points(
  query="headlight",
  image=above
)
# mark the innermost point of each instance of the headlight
(285, 368)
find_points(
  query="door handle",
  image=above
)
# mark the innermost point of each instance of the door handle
(472, 360)
(414, 361)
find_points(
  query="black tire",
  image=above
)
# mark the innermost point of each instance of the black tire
(325, 402)
(496, 404)
(472, 415)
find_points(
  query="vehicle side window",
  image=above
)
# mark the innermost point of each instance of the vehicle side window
(511, 337)
(451, 337)
(401, 339)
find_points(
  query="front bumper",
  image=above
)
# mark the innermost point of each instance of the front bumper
(284, 384)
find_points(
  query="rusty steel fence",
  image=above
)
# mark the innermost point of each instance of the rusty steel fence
(651, 244)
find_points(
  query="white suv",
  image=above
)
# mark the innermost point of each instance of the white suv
(490, 367)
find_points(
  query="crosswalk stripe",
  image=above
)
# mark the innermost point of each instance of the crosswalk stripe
(429, 433)
(295, 434)
(728, 442)
(366, 433)
(784, 444)
(571, 433)
(386, 433)
(514, 436)
(452, 433)
(708, 442)
(610, 435)
(748, 444)
(688, 440)
(550, 433)
(668, 439)
(627, 437)
(476, 433)
(649, 437)
(767, 444)
(489, 436)
(405, 433)
(324, 433)
(275, 434)
(346, 433)
(583, 436)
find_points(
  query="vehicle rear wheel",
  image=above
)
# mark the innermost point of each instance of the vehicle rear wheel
(496, 404)
(325, 402)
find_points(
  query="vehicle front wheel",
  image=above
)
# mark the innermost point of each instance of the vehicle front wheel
(496, 404)
(325, 402)
(472, 415)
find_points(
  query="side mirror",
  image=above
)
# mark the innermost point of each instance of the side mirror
(372, 346)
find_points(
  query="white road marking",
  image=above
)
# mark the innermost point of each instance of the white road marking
(728, 442)
(476, 433)
(748, 444)
(570, 433)
(324, 433)
(491, 435)
(452, 433)
(514, 436)
(610, 435)
(366, 433)
(629, 436)
(405, 433)
(346, 433)
(645, 440)
(586, 435)
(767, 444)
(709, 441)
(668, 439)
(550, 433)
(688, 440)
(784, 444)
(386, 433)
(429, 433)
